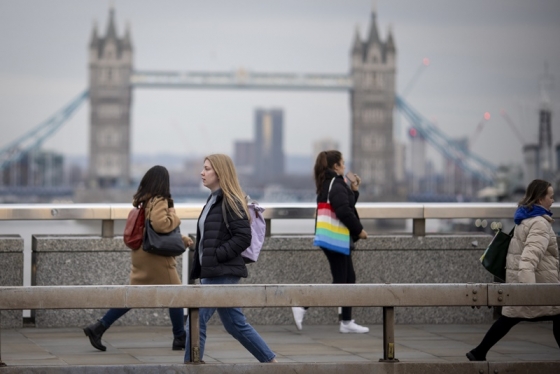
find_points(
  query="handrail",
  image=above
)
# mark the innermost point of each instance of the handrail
(194, 297)
(273, 211)
(108, 213)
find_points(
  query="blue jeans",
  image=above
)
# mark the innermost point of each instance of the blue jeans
(175, 314)
(235, 324)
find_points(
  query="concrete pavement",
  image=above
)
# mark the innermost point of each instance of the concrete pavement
(144, 345)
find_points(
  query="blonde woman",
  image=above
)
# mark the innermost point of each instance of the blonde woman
(217, 254)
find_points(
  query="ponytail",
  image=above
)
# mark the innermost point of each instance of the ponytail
(325, 160)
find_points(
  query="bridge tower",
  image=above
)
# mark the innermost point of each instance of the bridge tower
(110, 68)
(373, 72)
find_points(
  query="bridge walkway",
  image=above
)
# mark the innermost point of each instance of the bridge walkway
(143, 345)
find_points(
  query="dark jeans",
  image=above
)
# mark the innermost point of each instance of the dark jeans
(502, 326)
(175, 314)
(342, 271)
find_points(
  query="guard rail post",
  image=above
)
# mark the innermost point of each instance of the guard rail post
(419, 227)
(388, 335)
(268, 223)
(2, 364)
(107, 228)
(194, 333)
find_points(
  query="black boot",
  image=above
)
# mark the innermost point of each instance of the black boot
(179, 342)
(94, 332)
(474, 356)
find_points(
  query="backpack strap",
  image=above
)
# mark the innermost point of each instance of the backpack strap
(225, 215)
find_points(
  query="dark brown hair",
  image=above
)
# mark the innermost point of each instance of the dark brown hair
(325, 160)
(537, 190)
(154, 183)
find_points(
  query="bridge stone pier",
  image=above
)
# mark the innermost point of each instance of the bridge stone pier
(11, 274)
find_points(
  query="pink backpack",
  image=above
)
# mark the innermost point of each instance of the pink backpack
(258, 230)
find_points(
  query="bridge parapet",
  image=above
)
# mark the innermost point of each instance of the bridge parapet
(419, 213)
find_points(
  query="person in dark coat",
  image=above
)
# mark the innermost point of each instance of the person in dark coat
(329, 175)
(217, 254)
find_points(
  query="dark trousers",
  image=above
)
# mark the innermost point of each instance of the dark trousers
(502, 326)
(175, 314)
(342, 271)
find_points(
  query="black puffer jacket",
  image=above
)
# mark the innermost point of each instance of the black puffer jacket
(222, 250)
(343, 200)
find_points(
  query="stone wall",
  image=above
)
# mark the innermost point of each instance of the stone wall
(86, 260)
(379, 259)
(11, 274)
(284, 260)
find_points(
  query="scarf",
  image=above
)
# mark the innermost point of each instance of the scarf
(523, 213)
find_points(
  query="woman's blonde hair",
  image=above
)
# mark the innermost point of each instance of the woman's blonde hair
(227, 176)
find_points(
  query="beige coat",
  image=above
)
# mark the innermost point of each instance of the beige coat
(148, 268)
(532, 258)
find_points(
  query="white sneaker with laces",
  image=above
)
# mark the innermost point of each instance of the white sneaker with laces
(298, 313)
(351, 327)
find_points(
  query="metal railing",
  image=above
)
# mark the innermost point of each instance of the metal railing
(419, 213)
(387, 296)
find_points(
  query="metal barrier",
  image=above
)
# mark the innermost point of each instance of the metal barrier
(108, 213)
(387, 296)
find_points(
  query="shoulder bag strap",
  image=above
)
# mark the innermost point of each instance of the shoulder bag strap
(329, 192)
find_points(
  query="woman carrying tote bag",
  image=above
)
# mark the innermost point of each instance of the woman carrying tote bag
(154, 195)
(329, 181)
(532, 258)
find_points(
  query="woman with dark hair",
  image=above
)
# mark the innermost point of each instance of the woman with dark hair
(532, 258)
(329, 176)
(217, 255)
(154, 196)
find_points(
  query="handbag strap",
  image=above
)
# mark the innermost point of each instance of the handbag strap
(329, 192)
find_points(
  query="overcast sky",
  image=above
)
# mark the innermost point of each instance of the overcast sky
(485, 55)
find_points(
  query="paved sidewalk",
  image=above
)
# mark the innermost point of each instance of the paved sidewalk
(315, 344)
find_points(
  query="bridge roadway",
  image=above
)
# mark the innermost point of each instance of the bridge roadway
(528, 348)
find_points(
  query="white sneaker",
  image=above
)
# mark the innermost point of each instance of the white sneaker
(298, 313)
(351, 327)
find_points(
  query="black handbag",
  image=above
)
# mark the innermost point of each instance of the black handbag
(494, 257)
(170, 244)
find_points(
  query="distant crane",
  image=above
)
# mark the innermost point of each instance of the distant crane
(425, 63)
(479, 127)
(512, 125)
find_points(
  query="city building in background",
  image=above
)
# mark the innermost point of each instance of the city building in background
(110, 68)
(372, 100)
(35, 169)
(244, 156)
(545, 144)
(110, 172)
(269, 148)
(324, 144)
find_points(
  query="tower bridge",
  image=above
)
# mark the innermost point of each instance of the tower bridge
(370, 83)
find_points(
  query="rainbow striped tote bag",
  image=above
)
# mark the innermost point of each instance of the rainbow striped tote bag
(330, 233)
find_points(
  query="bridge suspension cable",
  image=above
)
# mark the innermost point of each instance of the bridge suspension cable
(461, 156)
(34, 138)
